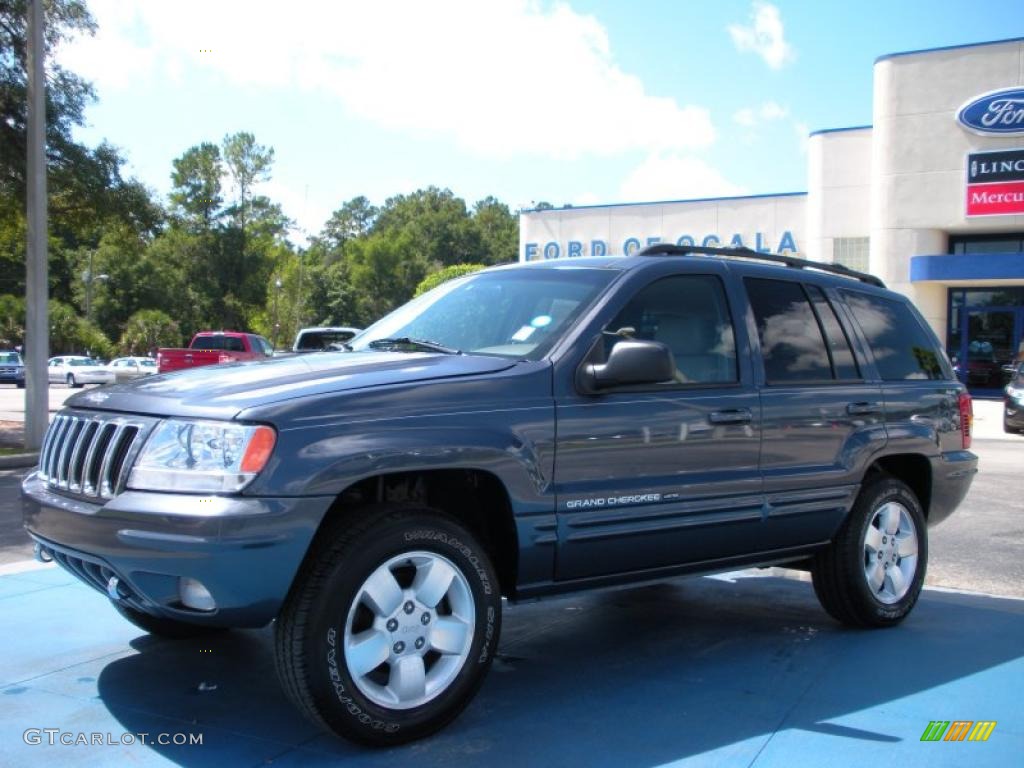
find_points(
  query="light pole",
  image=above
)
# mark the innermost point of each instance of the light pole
(277, 325)
(88, 278)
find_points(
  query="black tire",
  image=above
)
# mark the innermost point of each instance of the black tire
(310, 633)
(840, 571)
(72, 384)
(21, 385)
(1008, 429)
(162, 627)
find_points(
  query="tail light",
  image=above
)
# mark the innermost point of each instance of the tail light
(966, 418)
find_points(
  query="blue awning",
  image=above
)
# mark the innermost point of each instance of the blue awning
(968, 266)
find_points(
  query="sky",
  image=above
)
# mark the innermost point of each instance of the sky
(582, 102)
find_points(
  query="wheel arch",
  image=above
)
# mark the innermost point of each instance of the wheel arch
(914, 469)
(476, 498)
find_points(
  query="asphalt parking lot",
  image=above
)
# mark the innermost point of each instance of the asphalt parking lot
(744, 669)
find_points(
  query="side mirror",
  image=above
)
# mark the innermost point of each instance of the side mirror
(631, 361)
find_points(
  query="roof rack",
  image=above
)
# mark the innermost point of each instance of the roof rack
(667, 249)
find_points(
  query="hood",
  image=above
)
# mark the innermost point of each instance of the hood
(222, 391)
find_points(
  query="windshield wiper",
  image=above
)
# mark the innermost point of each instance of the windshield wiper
(405, 341)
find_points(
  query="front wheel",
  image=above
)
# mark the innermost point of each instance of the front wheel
(71, 381)
(872, 573)
(390, 627)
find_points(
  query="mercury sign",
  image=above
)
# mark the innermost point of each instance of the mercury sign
(995, 183)
(630, 245)
(999, 113)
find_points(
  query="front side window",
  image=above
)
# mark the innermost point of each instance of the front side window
(689, 314)
(515, 313)
(792, 345)
(902, 348)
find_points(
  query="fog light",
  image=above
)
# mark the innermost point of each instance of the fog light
(195, 596)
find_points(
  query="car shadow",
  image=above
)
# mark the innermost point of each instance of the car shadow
(638, 676)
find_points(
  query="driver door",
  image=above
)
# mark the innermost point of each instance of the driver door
(665, 474)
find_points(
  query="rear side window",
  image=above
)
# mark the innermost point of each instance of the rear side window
(208, 342)
(838, 344)
(792, 344)
(901, 346)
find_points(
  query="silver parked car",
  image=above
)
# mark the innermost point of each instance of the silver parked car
(128, 368)
(76, 370)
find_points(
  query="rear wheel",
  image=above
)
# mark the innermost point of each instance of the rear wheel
(872, 573)
(162, 627)
(391, 627)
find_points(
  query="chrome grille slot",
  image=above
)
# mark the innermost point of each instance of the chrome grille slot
(90, 454)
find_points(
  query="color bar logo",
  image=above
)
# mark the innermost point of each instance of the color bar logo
(958, 730)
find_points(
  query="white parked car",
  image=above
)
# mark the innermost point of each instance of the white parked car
(76, 370)
(128, 368)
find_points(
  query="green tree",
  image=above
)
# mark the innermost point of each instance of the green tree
(383, 271)
(147, 330)
(435, 279)
(12, 320)
(354, 219)
(85, 185)
(197, 196)
(248, 164)
(437, 222)
(499, 230)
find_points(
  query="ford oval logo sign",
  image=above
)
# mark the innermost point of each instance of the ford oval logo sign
(999, 113)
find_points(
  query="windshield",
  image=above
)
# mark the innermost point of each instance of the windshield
(10, 358)
(81, 361)
(516, 313)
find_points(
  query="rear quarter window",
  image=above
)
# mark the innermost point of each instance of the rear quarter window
(903, 349)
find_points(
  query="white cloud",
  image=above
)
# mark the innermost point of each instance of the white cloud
(748, 117)
(675, 176)
(765, 36)
(504, 77)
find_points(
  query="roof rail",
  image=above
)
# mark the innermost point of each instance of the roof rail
(667, 249)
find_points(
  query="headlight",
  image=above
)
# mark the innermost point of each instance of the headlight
(202, 456)
(1015, 393)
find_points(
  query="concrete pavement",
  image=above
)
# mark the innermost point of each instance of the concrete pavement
(699, 672)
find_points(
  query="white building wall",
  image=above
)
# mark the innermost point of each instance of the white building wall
(761, 221)
(838, 189)
(918, 155)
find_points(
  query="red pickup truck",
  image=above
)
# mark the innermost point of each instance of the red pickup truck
(213, 347)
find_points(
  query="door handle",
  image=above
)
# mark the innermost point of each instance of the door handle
(736, 416)
(862, 409)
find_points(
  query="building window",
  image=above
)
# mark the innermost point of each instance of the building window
(851, 252)
(1012, 242)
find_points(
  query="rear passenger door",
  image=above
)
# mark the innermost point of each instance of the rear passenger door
(658, 475)
(822, 413)
(919, 389)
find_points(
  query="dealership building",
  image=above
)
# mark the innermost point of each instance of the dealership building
(929, 197)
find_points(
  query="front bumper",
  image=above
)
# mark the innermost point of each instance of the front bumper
(245, 551)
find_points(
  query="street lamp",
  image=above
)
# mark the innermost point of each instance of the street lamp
(89, 278)
(277, 325)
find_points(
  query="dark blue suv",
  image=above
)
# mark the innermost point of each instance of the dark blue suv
(12, 368)
(521, 432)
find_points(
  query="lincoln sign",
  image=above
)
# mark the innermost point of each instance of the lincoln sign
(995, 183)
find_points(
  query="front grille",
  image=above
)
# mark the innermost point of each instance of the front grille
(8, 371)
(89, 454)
